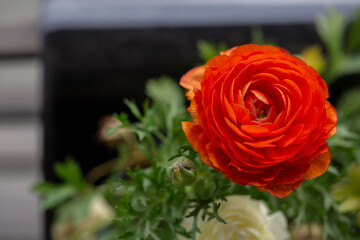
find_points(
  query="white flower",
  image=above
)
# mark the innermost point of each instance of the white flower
(246, 219)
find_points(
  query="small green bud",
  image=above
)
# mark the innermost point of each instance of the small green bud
(182, 173)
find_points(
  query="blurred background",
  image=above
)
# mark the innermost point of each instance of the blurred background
(20, 125)
(64, 64)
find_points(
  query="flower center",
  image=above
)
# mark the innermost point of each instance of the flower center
(262, 114)
(261, 109)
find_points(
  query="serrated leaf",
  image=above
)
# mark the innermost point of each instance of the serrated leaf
(216, 207)
(70, 172)
(122, 117)
(133, 108)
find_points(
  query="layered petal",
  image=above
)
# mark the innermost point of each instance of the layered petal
(260, 117)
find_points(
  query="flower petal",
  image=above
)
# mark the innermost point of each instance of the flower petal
(319, 164)
(192, 131)
(192, 79)
(280, 190)
(330, 125)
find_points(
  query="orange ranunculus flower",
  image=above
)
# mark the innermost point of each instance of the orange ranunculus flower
(260, 116)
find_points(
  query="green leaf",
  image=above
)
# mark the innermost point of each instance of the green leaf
(133, 108)
(112, 130)
(57, 195)
(165, 90)
(169, 97)
(106, 235)
(155, 236)
(123, 219)
(333, 170)
(147, 230)
(349, 104)
(75, 210)
(209, 50)
(185, 148)
(126, 234)
(257, 37)
(123, 118)
(354, 33)
(347, 65)
(300, 218)
(215, 215)
(70, 172)
(194, 228)
(331, 29)
(43, 188)
(141, 134)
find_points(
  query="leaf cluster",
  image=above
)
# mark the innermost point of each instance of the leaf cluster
(148, 205)
(71, 197)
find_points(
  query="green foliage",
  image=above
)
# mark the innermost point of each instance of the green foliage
(148, 205)
(54, 194)
(354, 34)
(349, 109)
(331, 29)
(71, 198)
(70, 172)
(257, 37)
(77, 209)
(209, 50)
